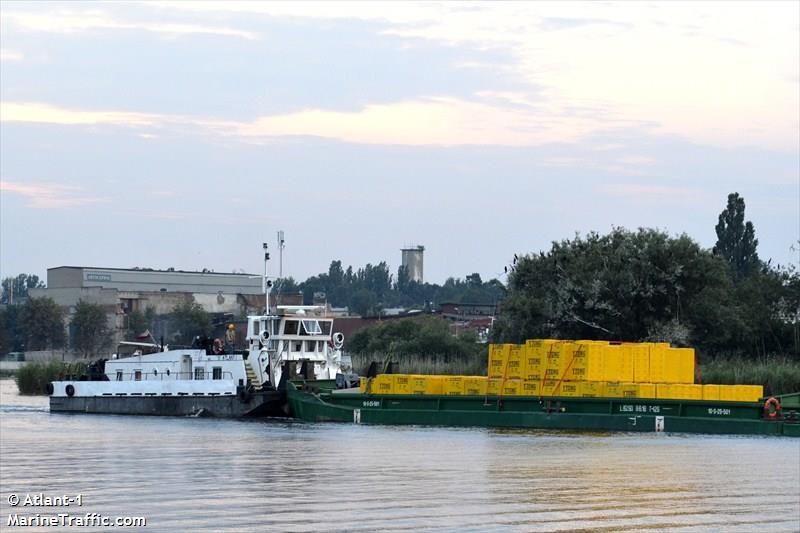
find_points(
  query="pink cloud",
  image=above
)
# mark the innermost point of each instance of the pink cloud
(44, 196)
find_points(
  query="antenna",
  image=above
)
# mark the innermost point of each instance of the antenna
(266, 283)
(281, 245)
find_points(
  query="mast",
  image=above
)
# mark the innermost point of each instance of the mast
(266, 283)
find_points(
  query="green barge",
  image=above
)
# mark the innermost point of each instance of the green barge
(319, 401)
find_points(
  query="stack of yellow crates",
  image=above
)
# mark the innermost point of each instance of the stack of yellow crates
(582, 368)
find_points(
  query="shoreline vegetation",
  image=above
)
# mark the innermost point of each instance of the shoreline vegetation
(33, 377)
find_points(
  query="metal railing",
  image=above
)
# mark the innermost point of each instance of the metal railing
(168, 376)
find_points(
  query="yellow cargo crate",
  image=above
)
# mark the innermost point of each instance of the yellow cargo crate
(534, 362)
(551, 387)
(591, 389)
(667, 391)
(630, 390)
(454, 385)
(559, 359)
(640, 356)
(570, 389)
(531, 387)
(362, 384)
(647, 390)
(493, 386)
(657, 362)
(512, 387)
(590, 359)
(749, 393)
(617, 364)
(420, 384)
(382, 384)
(691, 391)
(679, 365)
(711, 392)
(498, 355)
(612, 389)
(401, 384)
(516, 356)
(475, 385)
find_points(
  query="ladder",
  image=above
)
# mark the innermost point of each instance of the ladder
(252, 377)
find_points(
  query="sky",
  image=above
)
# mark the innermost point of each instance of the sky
(185, 134)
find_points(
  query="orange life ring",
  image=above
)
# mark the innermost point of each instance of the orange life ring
(218, 347)
(772, 408)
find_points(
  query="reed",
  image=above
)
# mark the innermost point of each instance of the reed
(779, 374)
(33, 377)
(426, 364)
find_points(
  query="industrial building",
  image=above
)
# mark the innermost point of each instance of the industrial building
(122, 291)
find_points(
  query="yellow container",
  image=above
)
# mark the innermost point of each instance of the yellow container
(362, 384)
(382, 384)
(493, 386)
(617, 363)
(475, 385)
(591, 389)
(640, 357)
(679, 365)
(691, 391)
(534, 361)
(711, 392)
(454, 385)
(590, 359)
(531, 387)
(551, 387)
(657, 362)
(498, 354)
(570, 389)
(516, 357)
(749, 393)
(728, 393)
(401, 384)
(512, 387)
(667, 391)
(612, 389)
(559, 360)
(420, 384)
(647, 390)
(630, 390)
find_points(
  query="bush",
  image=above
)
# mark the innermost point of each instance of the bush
(779, 374)
(33, 377)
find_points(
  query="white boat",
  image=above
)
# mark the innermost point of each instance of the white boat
(285, 342)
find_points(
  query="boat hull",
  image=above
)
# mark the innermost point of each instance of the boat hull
(269, 403)
(582, 414)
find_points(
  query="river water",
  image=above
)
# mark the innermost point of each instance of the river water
(186, 474)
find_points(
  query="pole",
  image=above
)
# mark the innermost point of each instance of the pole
(265, 282)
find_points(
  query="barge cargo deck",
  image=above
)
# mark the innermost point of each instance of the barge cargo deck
(316, 401)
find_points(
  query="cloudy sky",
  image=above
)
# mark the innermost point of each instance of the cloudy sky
(185, 134)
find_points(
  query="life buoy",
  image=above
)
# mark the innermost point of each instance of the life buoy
(49, 389)
(70, 391)
(217, 346)
(772, 408)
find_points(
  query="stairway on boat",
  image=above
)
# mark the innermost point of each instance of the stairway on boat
(252, 377)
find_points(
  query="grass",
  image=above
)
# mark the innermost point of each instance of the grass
(779, 374)
(427, 364)
(34, 376)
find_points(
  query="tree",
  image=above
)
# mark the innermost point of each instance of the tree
(139, 322)
(736, 239)
(42, 324)
(89, 331)
(190, 320)
(12, 338)
(20, 285)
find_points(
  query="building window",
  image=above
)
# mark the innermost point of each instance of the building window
(217, 372)
(199, 372)
(119, 375)
(137, 375)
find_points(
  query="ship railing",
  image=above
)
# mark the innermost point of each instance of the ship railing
(168, 375)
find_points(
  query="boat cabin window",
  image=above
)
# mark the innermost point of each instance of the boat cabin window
(326, 327)
(199, 372)
(256, 327)
(290, 327)
(137, 375)
(297, 346)
(311, 327)
(216, 372)
(311, 346)
(119, 375)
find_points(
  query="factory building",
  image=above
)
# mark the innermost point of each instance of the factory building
(122, 291)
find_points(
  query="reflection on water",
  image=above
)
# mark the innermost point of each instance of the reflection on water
(229, 475)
